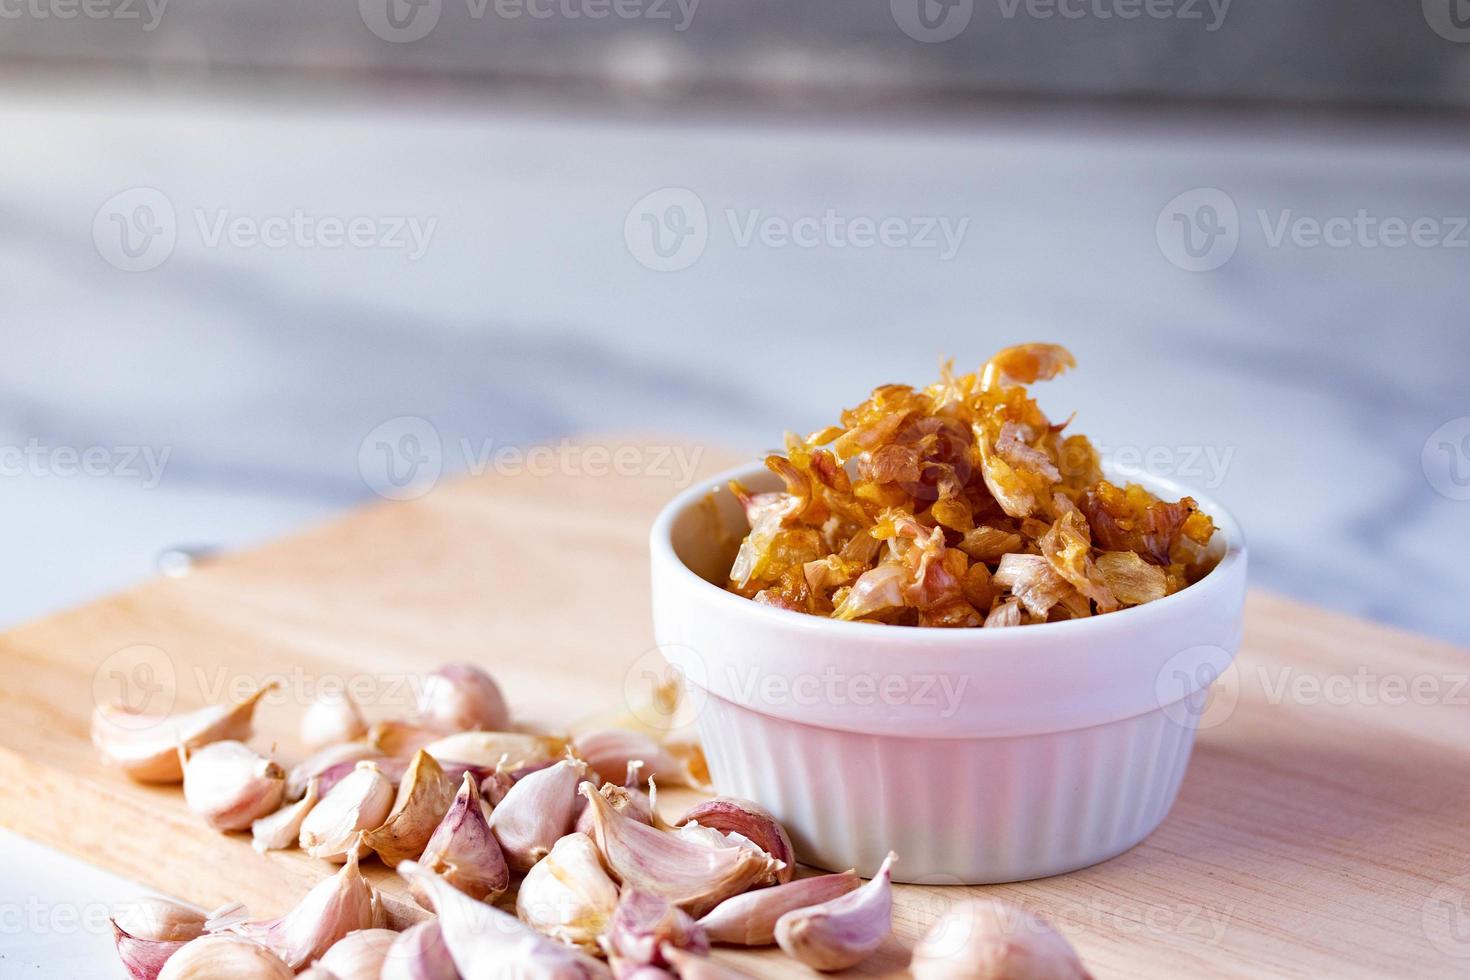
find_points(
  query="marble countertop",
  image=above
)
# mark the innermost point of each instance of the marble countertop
(215, 308)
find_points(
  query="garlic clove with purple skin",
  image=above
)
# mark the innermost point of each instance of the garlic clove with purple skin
(692, 875)
(460, 698)
(230, 785)
(732, 815)
(463, 850)
(331, 719)
(610, 750)
(280, 830)
(567, 895)
(844, 931)
(539, 810)
(989, 939)
(750, 919)
(514, 750)
(694, 966)
(643, 925)
(146, 747)
(358, 955)
(143, 958)
(224, 958)
(419, 953)
(316, 764)
(357, 804)
(631, 803)
(424, 797)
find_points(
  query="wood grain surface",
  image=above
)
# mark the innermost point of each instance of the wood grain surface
(1323, 828)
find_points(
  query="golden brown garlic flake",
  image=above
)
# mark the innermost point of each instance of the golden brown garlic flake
(961, 505)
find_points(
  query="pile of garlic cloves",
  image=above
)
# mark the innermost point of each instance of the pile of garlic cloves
(531, 855)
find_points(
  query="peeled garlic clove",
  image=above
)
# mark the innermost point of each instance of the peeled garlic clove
(341, 904)
(282, 829)
(331, 720)
(487, 944)
(460, 698)
(609, 751)
(539, 810)
(750, 919)
(358, 955)
(423, 798)
(419, 953)
(347, 754)
(357, 804)
(146, 747)
(630, 803)
(463, 849)
(732, 815)
(844, 931)
(988, 939)
(695, 966)
(230, 786)
(567, 895)
(691, 875)
(490, 749)
(224, 958)
(643, 925)
(161, 919)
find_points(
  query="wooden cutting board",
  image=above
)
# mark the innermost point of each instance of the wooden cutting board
(1323, 828)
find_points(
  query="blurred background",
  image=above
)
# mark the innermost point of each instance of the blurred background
(245, 245)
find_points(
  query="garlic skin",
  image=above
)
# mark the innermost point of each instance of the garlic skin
(693, 966)
(644, 925)
(460, 698)
(424, 797)
(750, 919)
(419, 953)
(512, 750)
(331, 719)
(395, 737)
(143, 958)
(316, 764)
(691, 875)
(989, 939)
(224, 958)
(358, 803)
(487, 944)
(146, 747)
(161, 919)
(231, 786)
(358, 955)
(844, 931)
(463, 850)
(280, 830)
(341, 904)
(632, 803)
(610, 750)
(539, 810)
(316, 973)
(567, 895)
(733, 815)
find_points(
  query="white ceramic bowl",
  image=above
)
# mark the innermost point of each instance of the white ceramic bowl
(978, 755)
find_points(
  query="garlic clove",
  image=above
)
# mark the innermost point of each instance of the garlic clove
(358, 955)
(643, 925)
(988, 939)
(224, 958)
(341, 904)
(732, 815)
(282, 829)
(347, 754)
(141, 958)
(145, 747)
(401, 738)
(419, 953)
(610, 750)
(750, 919)
(331, 719)
(843, 931)
(496, 784)
(488, 944)
(692, 875)
(359, 803)
(631, 803)
(161, 919)
(538, 811)
(695, 966)
(628, 970)
(490, 749)
(459, 698)
(463, 849)
(316, 973)
(230, 785)
(423, 799)
(567, 895)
